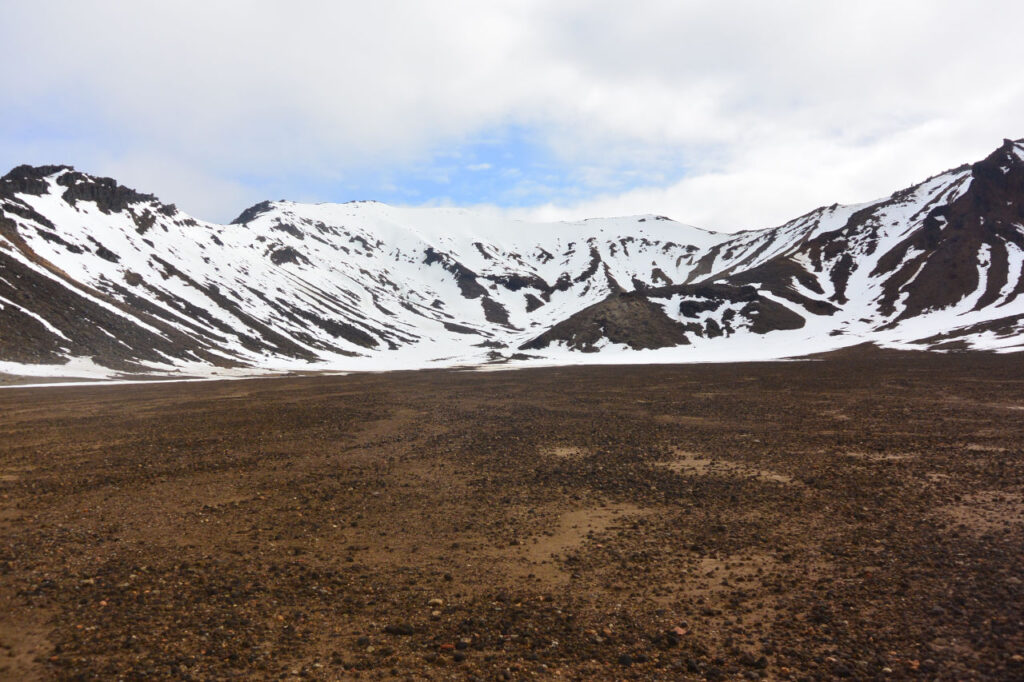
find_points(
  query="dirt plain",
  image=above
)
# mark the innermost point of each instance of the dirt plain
(860, 516)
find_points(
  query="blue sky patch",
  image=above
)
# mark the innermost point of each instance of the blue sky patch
(507, 167)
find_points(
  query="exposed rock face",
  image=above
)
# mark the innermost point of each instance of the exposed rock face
(634, 319)
(253, 212)
(624, 319)
(940, 261)
(91, 268)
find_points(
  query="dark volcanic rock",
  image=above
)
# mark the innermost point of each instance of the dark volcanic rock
(286, 254)
(621, 318)
(109, 196)
(253, 212)
(946, 270)
(28, 179)
(494, 311)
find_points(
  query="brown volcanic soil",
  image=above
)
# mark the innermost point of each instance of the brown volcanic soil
(860, 517)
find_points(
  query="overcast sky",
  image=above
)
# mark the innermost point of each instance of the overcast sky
(723, 114)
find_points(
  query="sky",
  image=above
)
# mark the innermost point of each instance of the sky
(725, 114)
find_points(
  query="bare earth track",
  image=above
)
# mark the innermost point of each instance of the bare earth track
(860, 517)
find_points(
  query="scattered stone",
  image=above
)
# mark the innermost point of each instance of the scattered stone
(401, 629)
(787, 576)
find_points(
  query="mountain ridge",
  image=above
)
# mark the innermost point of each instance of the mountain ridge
(97, 273)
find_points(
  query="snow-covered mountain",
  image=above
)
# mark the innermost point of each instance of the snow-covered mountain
(94, 275)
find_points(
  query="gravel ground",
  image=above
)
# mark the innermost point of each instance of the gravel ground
(860, 516)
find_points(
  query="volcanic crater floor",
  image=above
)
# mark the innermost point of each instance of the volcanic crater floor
(858, 516)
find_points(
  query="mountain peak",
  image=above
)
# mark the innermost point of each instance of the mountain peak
(26, 179)
(1002, 171)
(253, 212)
(1009, 154)
(107, 193)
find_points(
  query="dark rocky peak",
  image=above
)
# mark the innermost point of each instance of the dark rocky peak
(1003, 168)
(994, 201)
(954, 235)
(27, 179)
(109, 196)
(253, 212)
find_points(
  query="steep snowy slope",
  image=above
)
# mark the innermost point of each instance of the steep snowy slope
(937, 265)
(99, 273)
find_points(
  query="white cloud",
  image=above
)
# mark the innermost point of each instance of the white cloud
(789, 174)
(771, 108)
(207, 195)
